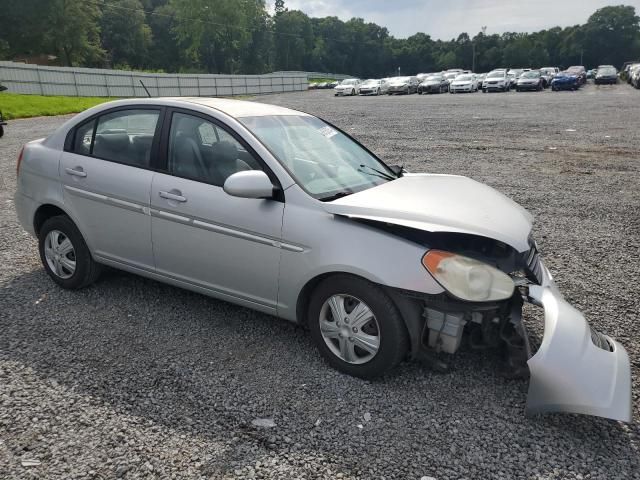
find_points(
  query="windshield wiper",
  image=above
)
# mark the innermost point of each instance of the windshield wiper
(337, 195)
(380, 173)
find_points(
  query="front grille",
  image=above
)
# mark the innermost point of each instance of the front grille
(533, 268)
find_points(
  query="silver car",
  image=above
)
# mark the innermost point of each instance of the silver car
(279, 211)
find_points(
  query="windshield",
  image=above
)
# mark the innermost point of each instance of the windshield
(607, 71)
(400, 80)
(496, 75)
(322, 160)
(434, 78)
(530, 75)
(349, 82)
(463, 78)
(372, 82)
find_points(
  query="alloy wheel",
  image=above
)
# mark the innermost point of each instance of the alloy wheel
(350, 329)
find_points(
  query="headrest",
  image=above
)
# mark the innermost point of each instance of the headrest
(116, 142)
(224, 151)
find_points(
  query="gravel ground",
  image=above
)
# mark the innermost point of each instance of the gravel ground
(134, 379)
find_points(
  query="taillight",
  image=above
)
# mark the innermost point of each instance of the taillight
(19, 161)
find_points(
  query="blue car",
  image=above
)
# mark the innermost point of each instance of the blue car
(565, 81)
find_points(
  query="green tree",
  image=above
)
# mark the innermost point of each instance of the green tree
(73, 31)
(293, 41)
(125, 33)
(612, 35)
(212, 33)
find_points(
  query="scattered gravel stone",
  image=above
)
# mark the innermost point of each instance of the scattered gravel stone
(131, 373)
(263, 423)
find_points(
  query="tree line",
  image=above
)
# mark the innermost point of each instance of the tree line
(240, 36)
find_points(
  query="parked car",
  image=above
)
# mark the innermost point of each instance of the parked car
(531, 80)
(635, 78)
(580, 72)
(625, 70)
(450, 76)
(497, 81)
(606, 75)
(378, 263)
(403, 85)
(2, 125)
(565, 81)
(374, 87)
(434, 84)
(591, 74)
(547, 74)
(466, 82)
(633, 69)
(350, 86)
(2, 121)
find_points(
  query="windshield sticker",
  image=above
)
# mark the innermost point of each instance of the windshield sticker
(328, 132)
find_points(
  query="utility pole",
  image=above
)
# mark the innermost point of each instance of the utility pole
(473, 45)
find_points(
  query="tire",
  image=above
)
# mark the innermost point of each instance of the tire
(353, 92)
(1, 131)
(378, 93)
(86, 270)
(392, 333)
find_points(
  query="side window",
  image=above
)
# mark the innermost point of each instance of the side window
(200, 150)
(126, 136)
(83, 137)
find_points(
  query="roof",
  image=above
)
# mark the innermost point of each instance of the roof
(240, 108)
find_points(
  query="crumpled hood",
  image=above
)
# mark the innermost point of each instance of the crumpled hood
(441, 203)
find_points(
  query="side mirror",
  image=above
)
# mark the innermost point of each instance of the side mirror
(249, 184)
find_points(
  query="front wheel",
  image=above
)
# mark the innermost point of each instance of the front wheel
(65, 255)
(353, 92)
(356, 326)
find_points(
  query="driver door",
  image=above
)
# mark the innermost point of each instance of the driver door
(202, 237)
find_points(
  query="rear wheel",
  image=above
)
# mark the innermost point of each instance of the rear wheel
(356, 326)
(65, 255)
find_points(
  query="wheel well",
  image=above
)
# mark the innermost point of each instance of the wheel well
(302, 306)
(410, 310)
(44, 213)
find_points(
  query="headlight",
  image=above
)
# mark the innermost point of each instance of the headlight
(467, 278)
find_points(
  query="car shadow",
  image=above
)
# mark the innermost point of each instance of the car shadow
(206, 367)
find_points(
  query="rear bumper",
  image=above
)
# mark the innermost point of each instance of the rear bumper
(569, 373)
(25, 210)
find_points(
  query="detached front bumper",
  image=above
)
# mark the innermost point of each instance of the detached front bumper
(569, 372)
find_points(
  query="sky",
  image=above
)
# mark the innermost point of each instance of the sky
(445, 19)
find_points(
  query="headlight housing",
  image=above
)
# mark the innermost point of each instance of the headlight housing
(466, 278)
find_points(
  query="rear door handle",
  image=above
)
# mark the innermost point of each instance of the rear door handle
(76, 172)
(175, 195)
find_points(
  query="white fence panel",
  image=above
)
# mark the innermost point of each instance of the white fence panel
(94, 82)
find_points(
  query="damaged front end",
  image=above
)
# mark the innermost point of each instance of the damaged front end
(575, 369)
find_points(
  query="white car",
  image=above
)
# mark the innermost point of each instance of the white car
(350, 86)
(496, 81)
(464, 83)
(373, 87)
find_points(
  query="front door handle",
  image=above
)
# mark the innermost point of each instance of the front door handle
(174, 195)
(76, 172)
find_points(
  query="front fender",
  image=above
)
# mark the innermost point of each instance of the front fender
(569, 373)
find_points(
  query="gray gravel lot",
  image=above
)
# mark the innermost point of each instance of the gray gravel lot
(134, 379)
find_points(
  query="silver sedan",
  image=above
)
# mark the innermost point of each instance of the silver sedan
(282, 212)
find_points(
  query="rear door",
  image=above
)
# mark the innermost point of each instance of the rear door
(203, 237)
(106, 171)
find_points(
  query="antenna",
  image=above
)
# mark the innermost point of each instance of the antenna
(145, 89)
